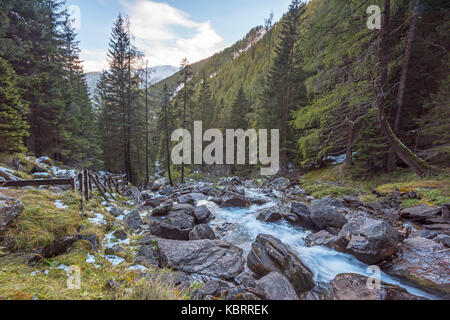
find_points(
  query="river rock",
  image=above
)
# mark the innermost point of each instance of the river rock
(133, 220)
(446, 211)
(116, 211)
(326, 239)
(420, 213)
(269, 215)
(281, 182)
(235, 201)
(246, 279)
(148, 254)
(10, 209)
(351, 201)
(424, 263)
(202, 214)
(202, 231)
(120, 234)
(354, 287)
(213, 287)
(175, 225)
(300, 215)
(184, 208)
(324, 213)
(371, 241)
(276, 287)
(269, 254)
(214, 258)
(163, 209)
(191, 198)
(159, 183)
(443, 239)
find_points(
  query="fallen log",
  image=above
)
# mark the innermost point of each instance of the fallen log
(36, 183)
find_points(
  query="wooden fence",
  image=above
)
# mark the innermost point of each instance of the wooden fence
(85, 183)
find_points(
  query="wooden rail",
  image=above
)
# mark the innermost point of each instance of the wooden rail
(83, 183)
(36, 183)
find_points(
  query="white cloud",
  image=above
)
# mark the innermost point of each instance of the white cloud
(94, 60)
(154, 26)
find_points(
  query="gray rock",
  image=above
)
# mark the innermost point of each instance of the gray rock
(202, 231)
(354, 287)
(324, 214)
(92, 240)
(202, 214)
(185, 208)
(351, 201)
(324, 238)
(269, 254)
(422, 262)
(281, 182)
(445, 211)
(420, 213)
(246, 279)
(191, 198)
(167, 191)
(10, 209)
(176, 225)
(214, 258)
(120, 234)
(149, 255)
(163, 209)
(133, 220)
(114, 250)
(443, 239)
(371, 241)
(271, 214)
(276, 287)
(301, 216)
(214, 288)
(234, 201)
(116, 211)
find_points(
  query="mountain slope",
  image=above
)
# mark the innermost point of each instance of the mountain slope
(156, 74)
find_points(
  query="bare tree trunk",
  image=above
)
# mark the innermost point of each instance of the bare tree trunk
(146, 125)
(419, 166)
(353, 129)
(403, 78)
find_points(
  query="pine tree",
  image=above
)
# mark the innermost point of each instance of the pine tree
(13, 127)
(186, 75)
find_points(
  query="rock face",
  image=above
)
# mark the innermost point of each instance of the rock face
(202, 214)
(133, 219)
(326, 239)
(420, 213)
(269, 215)
(235, 201)
(275, 286)
(371, 241)
(213, 258)
(10, 209)
(269, 254)
(324, 213)
(300, 215)
(202, 231)
(191, 198)
(354, 287)
(424, 263)
(176, 225)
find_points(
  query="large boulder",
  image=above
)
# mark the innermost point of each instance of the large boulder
(300, 215)
(269, 254)
(324, 213)
(191, 198)
(10, 209)
(275, 286)
(371, 241)
(185, 208)
(271, 214)
(326, 239)
(202, 231)
(235, 201)
(422, 262)
(350, 286)
(202, 214)
(133, 220)
(175, 225)
(420, 213)
(213, 258)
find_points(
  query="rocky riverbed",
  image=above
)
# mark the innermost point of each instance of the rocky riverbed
(239, 239)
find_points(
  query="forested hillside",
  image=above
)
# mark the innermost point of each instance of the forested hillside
(328, 57)
(335, 88)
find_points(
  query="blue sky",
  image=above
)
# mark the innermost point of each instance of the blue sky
(169, 30)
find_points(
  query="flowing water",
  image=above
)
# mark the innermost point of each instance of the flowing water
(325, 263)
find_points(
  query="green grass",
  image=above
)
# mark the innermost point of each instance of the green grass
(337, 182)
